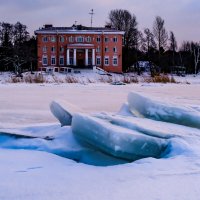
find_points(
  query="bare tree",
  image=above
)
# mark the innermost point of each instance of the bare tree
(123, 20)
(190, 53)
(6, 34)
(149, 42)
(173, 45)
(6, 44)
(160, 34)
(20, 34)
(196, 52)
(185, 46)
(14, 46)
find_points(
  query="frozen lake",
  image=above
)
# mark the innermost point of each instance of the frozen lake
(27, 173)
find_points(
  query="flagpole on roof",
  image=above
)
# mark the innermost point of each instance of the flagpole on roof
(92, 13)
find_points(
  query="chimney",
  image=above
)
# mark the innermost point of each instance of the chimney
(108, 26)
(48, 26)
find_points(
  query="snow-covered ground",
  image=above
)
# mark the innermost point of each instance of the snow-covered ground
(89, 76)
(32, 170)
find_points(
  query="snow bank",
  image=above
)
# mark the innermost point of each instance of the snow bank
(63, 143)
(142, 106)
(114, 140)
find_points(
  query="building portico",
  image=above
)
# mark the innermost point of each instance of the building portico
(80, 53)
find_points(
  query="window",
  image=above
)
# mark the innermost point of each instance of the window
(98, 60)
(106, 60)
(61, 49)
(53, 49)
(44, 60)
(79, 39)
(115, 49)
(71, 61)
(44, 49)
(115, 61)
(62, 39)
(45, 39)
(53, 60)
(61, 61)
(106, 49)
(71, 39)
(53, 38)
(98, 50)
(89, 61)
(88, 39)
(106, 39)
(98, 39)
(115, 39)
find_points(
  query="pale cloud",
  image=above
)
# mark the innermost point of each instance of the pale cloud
(181, 16)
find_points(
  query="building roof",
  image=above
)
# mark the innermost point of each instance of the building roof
(77, 29)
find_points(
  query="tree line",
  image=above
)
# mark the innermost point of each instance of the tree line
(17, 49)
(156, 45)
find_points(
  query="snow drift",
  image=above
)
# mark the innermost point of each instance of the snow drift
(62, 143)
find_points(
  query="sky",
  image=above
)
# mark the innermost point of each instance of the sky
(181, 16)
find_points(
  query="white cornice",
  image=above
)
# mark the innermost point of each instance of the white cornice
(54, 32)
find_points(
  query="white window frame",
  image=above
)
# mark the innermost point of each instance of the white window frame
(98, 58)
(115, 61)
(106, 49)
(115, 39)
(106, 39)
(98, 50)
(88, 39)
(71, 39)
(80, 39)
(98, 39)
(61, 58)
(106, 58)
(44, 57)
(44, 49)
(53, 57)
(62, 39)
(53, 39)
(45, 39)
(115, 49)
(62, 49)
(53, 49)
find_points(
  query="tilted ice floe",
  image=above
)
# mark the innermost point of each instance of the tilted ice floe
(114, 140)
(140, 129)
(64, 117)
(150, 127)
(145, 107)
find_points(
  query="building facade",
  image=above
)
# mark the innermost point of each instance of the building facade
(80, 47)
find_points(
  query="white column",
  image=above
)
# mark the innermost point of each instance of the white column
(74, 57)
(68, 61)
(86, 57)
(93, 57)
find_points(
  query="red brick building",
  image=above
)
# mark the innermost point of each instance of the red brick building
(80, 47)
